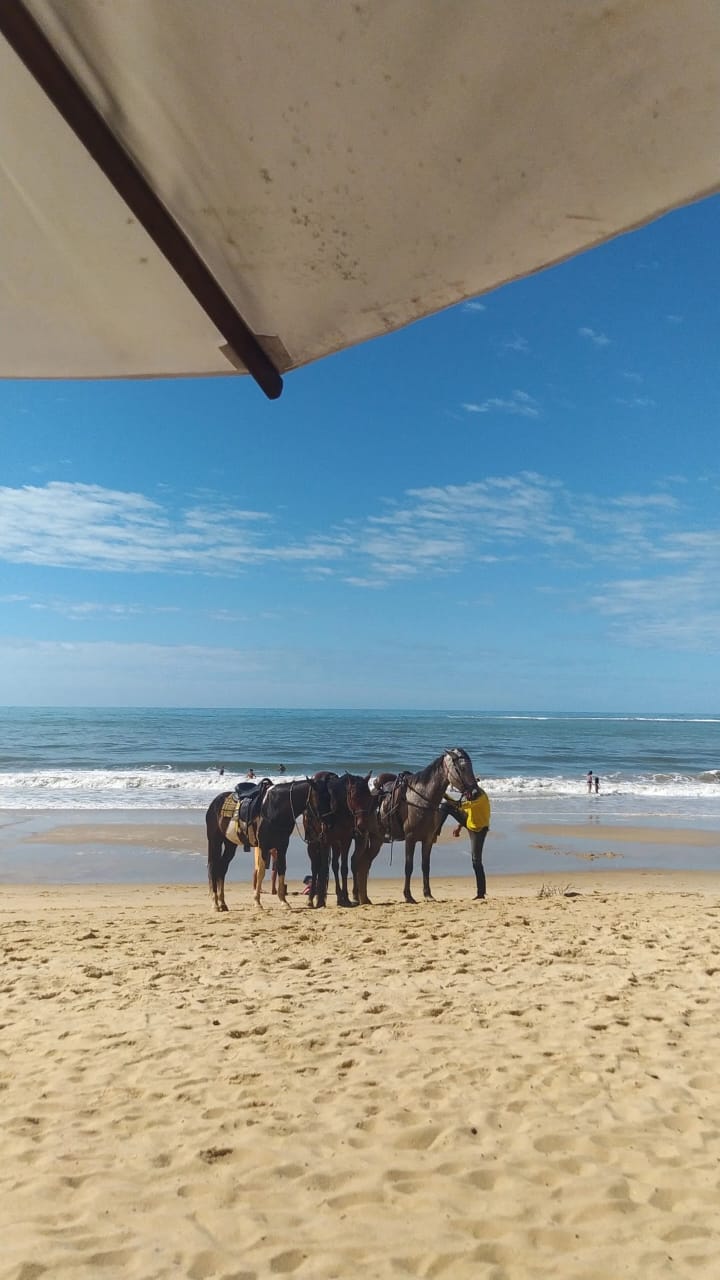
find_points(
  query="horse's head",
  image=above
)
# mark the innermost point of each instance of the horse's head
(360, 801)
(460, 772)
(320, 800)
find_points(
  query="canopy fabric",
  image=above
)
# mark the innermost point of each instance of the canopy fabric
(342, 168)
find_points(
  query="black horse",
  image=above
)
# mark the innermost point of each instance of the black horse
(408, 809)
(281, 808)
(351, 804)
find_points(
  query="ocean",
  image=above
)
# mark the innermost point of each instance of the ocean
(534, 767)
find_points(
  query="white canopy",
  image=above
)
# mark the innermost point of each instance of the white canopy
(342, 168)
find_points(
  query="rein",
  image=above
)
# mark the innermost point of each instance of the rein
(410, 788)
(308, 807)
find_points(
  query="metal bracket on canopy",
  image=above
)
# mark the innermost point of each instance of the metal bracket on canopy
(46, 67)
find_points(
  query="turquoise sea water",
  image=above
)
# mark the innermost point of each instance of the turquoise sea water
(534, 767)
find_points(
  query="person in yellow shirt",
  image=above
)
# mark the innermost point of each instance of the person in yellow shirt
(474, 816)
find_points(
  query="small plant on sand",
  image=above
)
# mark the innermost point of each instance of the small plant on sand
(555, 891)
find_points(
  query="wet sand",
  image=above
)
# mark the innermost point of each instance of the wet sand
(695, 837)
(169, 846)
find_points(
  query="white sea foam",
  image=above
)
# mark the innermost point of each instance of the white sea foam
(167, 788)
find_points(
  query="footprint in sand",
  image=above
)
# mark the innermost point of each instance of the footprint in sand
(287, 1261)
(212, 1154)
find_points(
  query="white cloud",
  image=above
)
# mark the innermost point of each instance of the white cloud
(674, 612)
(88, 527)
(443, 528)
(474, 305)
(598, 339)
(85, 610)
(519, 403)
(525, 518)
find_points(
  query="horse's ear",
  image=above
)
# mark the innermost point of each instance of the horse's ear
(368, 776)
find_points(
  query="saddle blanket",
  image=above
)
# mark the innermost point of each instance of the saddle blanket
(230, 806)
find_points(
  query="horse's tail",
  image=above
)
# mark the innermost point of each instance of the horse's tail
(215, 846)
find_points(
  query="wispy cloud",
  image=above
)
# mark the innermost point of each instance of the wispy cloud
(441, 529)
(635, 402)
(592, 335)
(659, 567)
(519, 403)
(89, 610)
(515, 344)
(675, 612)
(474, 305)
(86, 526)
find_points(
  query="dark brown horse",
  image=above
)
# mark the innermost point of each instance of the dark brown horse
(408, 809)
(351, 804)
(281, 808)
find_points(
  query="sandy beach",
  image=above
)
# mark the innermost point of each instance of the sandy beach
(526, 1087)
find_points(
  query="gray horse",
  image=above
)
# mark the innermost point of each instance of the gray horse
(408, 809)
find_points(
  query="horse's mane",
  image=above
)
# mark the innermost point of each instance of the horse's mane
(424, 775)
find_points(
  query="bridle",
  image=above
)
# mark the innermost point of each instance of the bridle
(454, 779)
(358, 812)
(455, 756)
(310, 807)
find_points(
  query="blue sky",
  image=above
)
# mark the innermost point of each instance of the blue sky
(509, 506)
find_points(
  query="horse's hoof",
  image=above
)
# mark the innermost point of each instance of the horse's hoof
(410, 900)
(224, 907)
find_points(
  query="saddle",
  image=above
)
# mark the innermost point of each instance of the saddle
(244, 804)
(250, 802)
(391, 791)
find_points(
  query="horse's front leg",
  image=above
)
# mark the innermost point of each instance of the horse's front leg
(323, 874)
(426, 851)
(315, 855)
(361, 870)
(259, 874)
(345, 853)
(336, 872)
(409, 861)
(281, 856)
(363, 858)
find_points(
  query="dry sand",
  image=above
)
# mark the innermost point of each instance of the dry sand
(526, 1087)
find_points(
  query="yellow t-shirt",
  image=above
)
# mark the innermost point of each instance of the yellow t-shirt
(477, 812)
